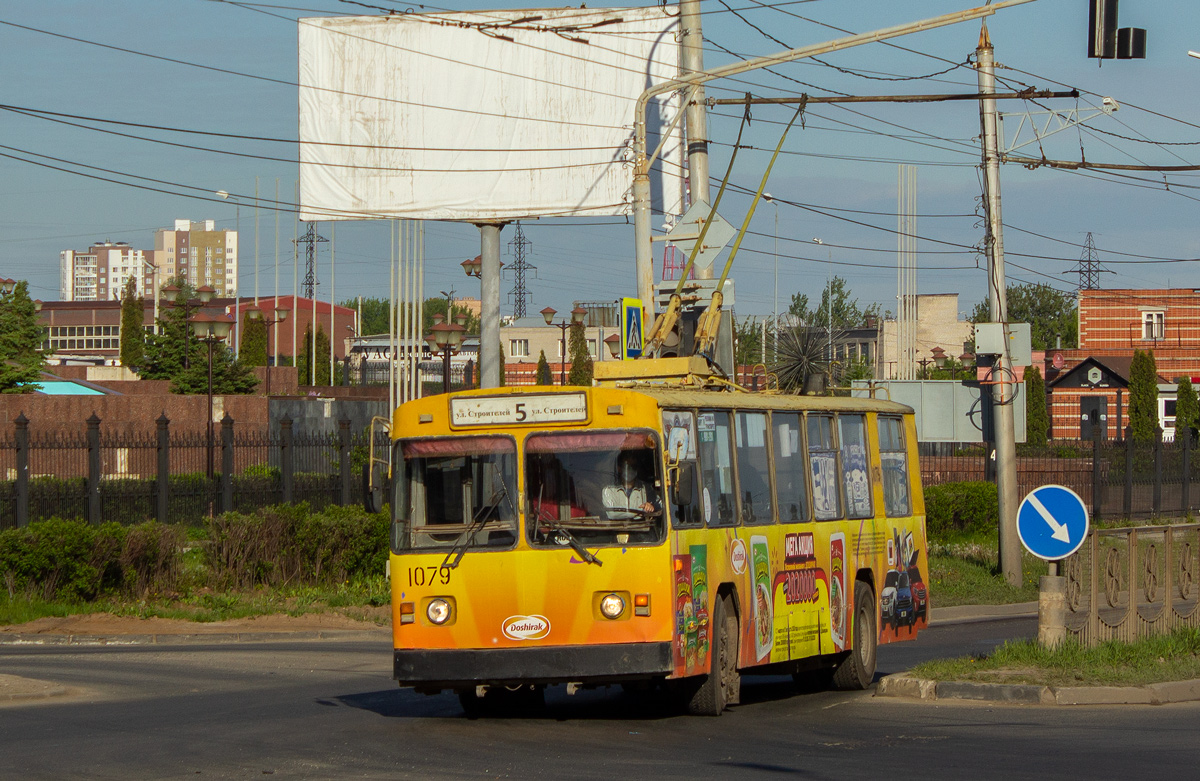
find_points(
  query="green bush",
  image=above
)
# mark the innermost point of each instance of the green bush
(72, 560)
(291, 545)
(957, 508)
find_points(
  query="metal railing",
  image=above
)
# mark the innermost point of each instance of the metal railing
(163, 475)
(1128, 583)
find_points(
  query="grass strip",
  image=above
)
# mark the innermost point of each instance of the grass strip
(1173, 657)
(352, 598)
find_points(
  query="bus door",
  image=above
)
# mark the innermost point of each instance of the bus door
(801, 575)
(766, 616)
(690, 550)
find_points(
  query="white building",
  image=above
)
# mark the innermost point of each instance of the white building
(100, 273)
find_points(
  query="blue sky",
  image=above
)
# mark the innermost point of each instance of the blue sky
(842, 166)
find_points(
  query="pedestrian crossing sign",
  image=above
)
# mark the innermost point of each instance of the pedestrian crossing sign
(631, 328)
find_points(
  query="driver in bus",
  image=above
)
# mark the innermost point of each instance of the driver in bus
(628, 497)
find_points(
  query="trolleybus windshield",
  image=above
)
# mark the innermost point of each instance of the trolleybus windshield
(456, 493)
(594, 487)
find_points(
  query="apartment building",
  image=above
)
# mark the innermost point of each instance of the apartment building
(101, 272)
(200, 253)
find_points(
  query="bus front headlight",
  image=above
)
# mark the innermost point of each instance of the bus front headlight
(612, 606)
(438, 611)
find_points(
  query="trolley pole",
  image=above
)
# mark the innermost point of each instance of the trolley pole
(1002, 391)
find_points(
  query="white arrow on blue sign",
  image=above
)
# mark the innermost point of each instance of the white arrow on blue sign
(1052, 522)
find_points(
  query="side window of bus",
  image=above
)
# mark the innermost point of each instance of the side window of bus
(753, 468)
(856, 474)
(823, 466)
(893, 456)
(717, 500)
(791, 483)
(679, 434)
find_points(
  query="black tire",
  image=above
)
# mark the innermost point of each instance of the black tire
(857, 671)
(723, 684)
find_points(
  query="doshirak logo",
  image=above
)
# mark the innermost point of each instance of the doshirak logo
(526, 627)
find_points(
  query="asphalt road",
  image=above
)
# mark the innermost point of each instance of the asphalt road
(329, 710)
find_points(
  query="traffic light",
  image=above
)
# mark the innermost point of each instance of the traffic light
(1105, 41)
(1102, 29)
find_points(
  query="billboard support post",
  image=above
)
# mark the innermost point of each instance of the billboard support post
(489, 312)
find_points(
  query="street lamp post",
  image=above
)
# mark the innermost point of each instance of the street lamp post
(775, 309)
(828, 304)
(577, 315)
(237, 323)
(204, 294)
(447, 338)
(256, 313)
(212, 329)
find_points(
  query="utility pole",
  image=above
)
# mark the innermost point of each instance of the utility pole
(1002, 390)
(691, 61)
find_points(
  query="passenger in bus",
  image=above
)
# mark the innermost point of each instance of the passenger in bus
(629, 497)
(552, 494)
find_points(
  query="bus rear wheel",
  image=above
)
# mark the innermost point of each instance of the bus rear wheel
(857, 671)
(722, 686)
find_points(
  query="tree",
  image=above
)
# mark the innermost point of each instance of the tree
(1050, 314)
(846, 311)
(437, 306)
(503, 379)
(374, 317)
(1187, 410)
(133, 335)
(581, 363)
(543, 370)
(322, 365)
(169, 350)
(229, 375)
(254, 341)
(747, 346)
(1037, 423)
(1143, 396)
(21, 339)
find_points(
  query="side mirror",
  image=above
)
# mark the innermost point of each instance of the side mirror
(373, 489)
(682, 489)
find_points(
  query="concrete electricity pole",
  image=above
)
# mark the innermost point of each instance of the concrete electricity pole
(1003, 391)
(696, 114)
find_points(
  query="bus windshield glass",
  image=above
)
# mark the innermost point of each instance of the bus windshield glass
(594, 488)
(459, 492)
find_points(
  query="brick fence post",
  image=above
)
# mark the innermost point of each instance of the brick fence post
(21, 510)
(93, 483)
(226, 463)
(162, 486)
(285, 458)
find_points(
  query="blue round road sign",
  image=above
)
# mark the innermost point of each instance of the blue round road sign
(1052, 522)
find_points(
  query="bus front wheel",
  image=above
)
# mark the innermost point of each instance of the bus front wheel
(857, 671)
(722, 686)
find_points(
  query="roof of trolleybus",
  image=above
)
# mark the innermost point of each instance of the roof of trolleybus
(678, 398)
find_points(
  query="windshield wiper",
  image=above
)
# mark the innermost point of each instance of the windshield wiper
(574, 543)
(481, 519)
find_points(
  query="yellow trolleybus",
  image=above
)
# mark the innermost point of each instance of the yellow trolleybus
(634, 535)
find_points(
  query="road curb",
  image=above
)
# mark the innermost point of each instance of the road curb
(199, 638)
(903, 685)
(967, 614)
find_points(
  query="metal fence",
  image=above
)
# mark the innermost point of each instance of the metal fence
(1135, 582)
(1116, 478)
(174, 476)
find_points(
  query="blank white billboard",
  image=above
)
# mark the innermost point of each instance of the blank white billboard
(483, 116)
